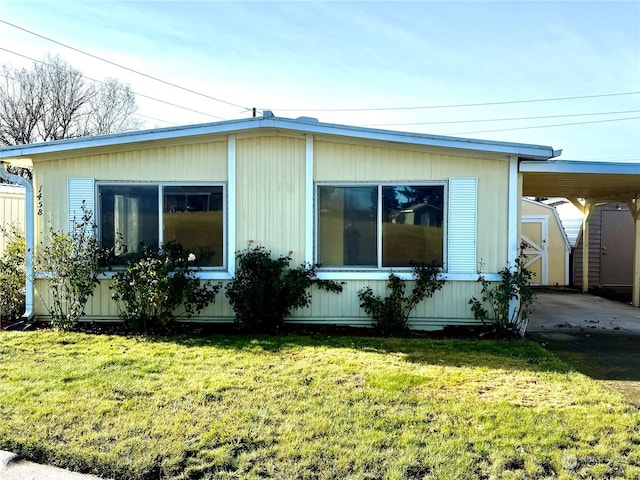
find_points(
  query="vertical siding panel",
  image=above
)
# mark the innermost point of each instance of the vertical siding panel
(271, 194)
(448, 306)
(152, 164)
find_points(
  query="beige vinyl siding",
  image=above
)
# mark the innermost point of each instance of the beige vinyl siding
(336, 162)
(101, 307)
(200, 162)
(447, 306)
(12, 210)
(270, 173)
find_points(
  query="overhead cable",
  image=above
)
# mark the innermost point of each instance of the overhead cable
(483, 104)
(544, 126)
(138, 94)
(125, 67)
(500, 119)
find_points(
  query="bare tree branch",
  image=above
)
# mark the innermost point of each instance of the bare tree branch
(52, 101)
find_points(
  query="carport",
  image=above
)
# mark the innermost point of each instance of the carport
(587, 185)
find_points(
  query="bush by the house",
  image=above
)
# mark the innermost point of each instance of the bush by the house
(12, 274)
(73, 261)
(158, 286)
(493, 307)
(390, 314)
(266, 290)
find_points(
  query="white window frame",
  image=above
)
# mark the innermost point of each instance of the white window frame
(205, 273)
(346, 272)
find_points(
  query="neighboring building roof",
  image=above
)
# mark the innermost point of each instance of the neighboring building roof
(301, 124)
(557, 217)
(12, 189)
(570, 217)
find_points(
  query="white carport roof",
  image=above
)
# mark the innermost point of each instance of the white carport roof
(569, 179)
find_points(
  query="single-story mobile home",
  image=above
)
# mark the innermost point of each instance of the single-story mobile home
(360, 202)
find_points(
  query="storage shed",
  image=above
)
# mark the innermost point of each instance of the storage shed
(12, 209)
(546, 245)
(610, 248)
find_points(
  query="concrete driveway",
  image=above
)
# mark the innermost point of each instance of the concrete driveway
(569, 312)
(597, 336)
(13, 467)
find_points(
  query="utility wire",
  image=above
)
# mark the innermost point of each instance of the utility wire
(125, 68)
(500, 119)
(383, 109)
(154, 118)
(136, 93)
(544, 126)
(315, 109)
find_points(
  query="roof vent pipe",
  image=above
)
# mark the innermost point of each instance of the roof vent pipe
(29, 234)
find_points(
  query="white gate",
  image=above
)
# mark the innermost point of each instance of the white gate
(534, 236)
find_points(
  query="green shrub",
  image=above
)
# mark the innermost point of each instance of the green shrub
(155, 283)
(12, 274)
(266, 290)
(390, 314)
(493, 307)
(73, 260)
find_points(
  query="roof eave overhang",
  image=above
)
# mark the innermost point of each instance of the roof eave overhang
(526, 151)
(596, 181)
(564, 166)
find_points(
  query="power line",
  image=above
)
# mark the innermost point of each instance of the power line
(500, 119)
(154, 118)
(544, 126)
(383, 109)
(125, 68)
(136, 93)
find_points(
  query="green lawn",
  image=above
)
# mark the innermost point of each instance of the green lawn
(308, 407)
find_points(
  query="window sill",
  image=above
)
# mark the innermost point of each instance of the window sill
(202, 275)
(404, 275)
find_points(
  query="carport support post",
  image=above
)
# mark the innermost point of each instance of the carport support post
(634, 208)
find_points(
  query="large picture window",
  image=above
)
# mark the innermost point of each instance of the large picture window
(377, 226)
(191, 217)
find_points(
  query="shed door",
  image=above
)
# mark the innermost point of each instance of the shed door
(616, 255)
(534, 235)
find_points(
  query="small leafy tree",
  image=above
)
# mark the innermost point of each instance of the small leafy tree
(12, 274)
(74, 260)
(266, 290)
(493, 307)
(155, 283)
(390, 314)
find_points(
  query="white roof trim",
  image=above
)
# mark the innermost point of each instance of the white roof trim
(304, 125)
(564, 166)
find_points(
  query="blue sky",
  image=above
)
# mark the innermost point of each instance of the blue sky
(313, 58)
